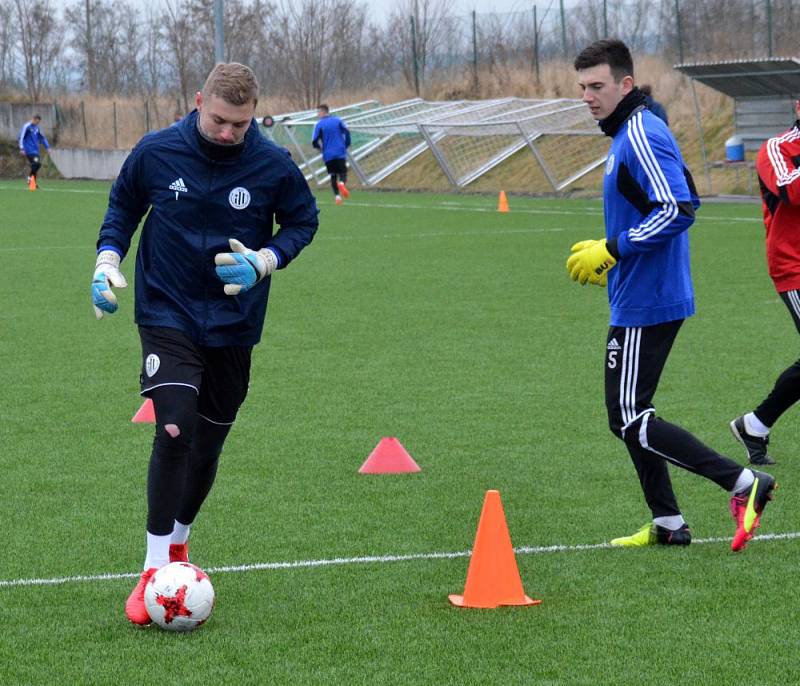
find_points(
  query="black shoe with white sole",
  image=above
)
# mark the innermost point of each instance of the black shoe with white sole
(756, 446)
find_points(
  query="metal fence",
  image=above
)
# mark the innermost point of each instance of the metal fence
(485, 44)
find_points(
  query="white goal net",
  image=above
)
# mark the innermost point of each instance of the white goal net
(468, 139)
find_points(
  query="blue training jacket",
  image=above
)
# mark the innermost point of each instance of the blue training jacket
(332, 136)
(30, 137)
(649, 202)
(196, 204)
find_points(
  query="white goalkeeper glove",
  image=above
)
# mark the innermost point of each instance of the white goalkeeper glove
(106, 274)
(243, 268)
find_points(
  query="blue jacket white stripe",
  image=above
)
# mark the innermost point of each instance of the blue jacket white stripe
(195, 205)
(332, 135)
(30, 137)
(649, 202)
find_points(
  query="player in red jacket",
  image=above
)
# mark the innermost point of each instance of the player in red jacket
(778, 166)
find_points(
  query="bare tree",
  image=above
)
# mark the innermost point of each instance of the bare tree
(244, 27)
(82, 18)
(7, 40)
(39, 38)
(106, 37)
(131, 48)
(152, 56)
(505, 44)
(179, 34)
(379, 64)
(313, 39)
(434, 34)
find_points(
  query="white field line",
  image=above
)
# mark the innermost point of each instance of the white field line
(56, 190)
(445, 206)
(487, 232)
(365, 559)
(451, 207)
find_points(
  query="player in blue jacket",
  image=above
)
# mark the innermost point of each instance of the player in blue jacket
(649, 203)
(213, 186)
(30, 138)
(652, 104)
(332, 136)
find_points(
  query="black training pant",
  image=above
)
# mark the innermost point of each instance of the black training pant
(786, 391)
(338, 171)
(635, 358)
(198, 390)
(35, 163)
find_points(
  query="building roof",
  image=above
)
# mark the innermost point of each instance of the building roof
(748, 78)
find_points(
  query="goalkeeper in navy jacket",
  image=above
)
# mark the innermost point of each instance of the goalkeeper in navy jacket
(212, 185)
(649, 203)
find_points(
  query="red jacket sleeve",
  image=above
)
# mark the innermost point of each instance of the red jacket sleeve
(777, 165)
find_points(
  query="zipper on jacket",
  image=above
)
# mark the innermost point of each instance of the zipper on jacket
(203, 254)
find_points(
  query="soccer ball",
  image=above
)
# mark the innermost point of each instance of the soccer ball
(179, 597)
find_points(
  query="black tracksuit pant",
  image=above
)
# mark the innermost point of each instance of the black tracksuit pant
(786, 391)
(635, 358)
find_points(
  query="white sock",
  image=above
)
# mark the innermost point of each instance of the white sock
(745, 480)
(180, 533)
(673, 522)
(157, 551)
(754, 426)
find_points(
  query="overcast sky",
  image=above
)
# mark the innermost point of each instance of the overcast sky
(379, 9)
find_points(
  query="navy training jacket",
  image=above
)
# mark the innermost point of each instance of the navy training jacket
(195, 205)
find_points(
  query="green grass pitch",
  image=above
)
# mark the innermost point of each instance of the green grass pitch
(455, 328)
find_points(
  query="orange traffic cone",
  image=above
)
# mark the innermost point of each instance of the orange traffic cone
(31, 183)
(389, 457)
(493, 577)
(146, 414)
(502, 202)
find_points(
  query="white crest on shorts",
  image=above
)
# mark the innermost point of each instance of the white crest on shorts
(239, 198)
(151, 365)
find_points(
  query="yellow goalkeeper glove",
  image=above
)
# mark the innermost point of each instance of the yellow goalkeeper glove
(590, 262)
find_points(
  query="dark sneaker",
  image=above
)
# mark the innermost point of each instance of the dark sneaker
(653, 534)
(756, 446)
(682, 536)
(747, 507)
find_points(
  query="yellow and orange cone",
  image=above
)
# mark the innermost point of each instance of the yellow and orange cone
(502, 202)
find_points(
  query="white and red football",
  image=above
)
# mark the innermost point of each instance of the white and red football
(179, 597)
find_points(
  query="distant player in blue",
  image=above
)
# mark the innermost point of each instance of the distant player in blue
(30, 138)
(332, 136)
(211, 188)
(649, 202)
(652, 104)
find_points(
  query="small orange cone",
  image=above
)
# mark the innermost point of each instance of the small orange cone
(493, 577)
(502, 202)
(31, 183)
(146, 414)
(389, 457)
